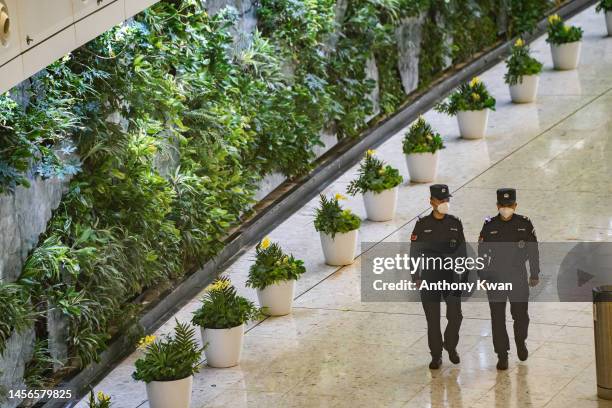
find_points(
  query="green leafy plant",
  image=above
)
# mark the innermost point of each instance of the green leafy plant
(223, 308)
(604, 5)
(16, 311)
(560, 33)
(374, 176)
(421, 138)
(99, 400)
(169, 358)
(331, 219)
(520, 63)
(472, 96)
(272, 265)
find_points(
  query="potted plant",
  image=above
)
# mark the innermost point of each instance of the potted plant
(338, 229)
(273, 275)
(221, 318)
(564, 43)
(378, 183)
(99, 400)
(606, 7)
(471, 103)
(523, 73)
(168, 366)
(421, 146)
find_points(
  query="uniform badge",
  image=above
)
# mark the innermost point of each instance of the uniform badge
(493, 232)
(521, 244)
(521, 229)
(454, 229)
(506, 195)
(426, 230)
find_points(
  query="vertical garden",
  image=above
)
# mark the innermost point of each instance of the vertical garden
(166, 126)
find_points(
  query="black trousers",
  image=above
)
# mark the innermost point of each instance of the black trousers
(520, 315)
(431, 299)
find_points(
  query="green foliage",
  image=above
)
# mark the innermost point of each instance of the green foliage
(223, 308)
(521, 63)
(469, 96)
(100, 400)
(16, 311)
(421, 138)
(604, 5)
(374, 176)
(561, 33)
(524, 15)
(272, 265)
(331, 219)
(171, 357)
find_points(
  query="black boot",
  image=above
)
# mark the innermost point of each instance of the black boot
(521, 351)
(436, 362)
(502, 361)
(453, 356)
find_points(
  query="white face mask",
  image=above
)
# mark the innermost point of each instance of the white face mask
(443, 208)
(506, 212)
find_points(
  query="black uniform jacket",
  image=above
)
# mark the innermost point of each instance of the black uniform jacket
(436, 238)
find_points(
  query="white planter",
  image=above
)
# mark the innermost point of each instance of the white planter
(526, 90)
(566, 56)
(473, 124)
(223, 346)
(381, 206)
(170, 394)
(276, 299)
(422, 167)
(609, 22)
(341, 249)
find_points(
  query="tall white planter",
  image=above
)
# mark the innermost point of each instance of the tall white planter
(566, 56)
(170, 394)
(473, 124)
(341, 249)
(609, 22)
(422, 167)
(381, 206)
(277, 299)
(223, 346)
(525, 90)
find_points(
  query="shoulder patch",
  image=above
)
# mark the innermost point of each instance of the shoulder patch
(488, 219)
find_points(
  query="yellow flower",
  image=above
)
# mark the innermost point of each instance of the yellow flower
(220, 284)
(339, 197)
(103, 397)
(371, 152)
(566, 28)
(382, 171)
(145, 342)
(475, 81)
(265, 243)
(554, 18)
(475, 97)
(519, 43)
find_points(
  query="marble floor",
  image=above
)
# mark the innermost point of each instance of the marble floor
(336, 351)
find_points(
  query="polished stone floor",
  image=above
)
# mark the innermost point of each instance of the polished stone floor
(336, 351)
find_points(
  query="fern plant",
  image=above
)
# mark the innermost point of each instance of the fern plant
(374, 175)
(272, 265)
(223, 308)
(331, 219)
(170, 358)
(421, 138)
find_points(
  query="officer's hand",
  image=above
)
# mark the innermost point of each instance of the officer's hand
(533, 282)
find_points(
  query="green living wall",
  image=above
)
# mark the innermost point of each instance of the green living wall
(172, 84)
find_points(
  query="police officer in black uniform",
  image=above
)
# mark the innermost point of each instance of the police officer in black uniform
(509, 240)
(440, 235)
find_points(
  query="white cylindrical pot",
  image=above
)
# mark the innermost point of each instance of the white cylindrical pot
(276, 299)
(566, 56)
(339, 250)
(525, 90)
(170, 394)
(380, 206)
(223, 346)
(609, 22)
(473, 124)
(422, 167)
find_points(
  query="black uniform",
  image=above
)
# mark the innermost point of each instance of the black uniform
(508, 245)
(439, 238)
